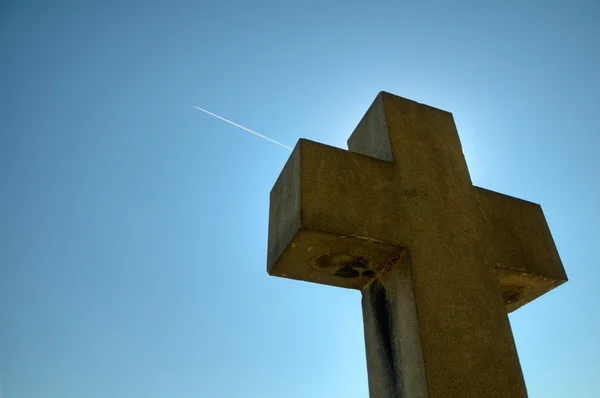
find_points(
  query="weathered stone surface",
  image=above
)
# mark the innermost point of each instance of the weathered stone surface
(439, 261)
(392, 334)
(519, 243)
(318, 208)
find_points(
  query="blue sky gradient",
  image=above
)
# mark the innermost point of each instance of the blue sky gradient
(133, 227)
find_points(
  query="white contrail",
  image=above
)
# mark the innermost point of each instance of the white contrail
(243, 128)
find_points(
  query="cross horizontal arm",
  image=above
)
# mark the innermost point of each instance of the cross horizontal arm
(519, 244)
(326, 223)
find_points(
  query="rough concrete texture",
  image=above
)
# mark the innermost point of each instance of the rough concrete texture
(439, 261)
(528, 264)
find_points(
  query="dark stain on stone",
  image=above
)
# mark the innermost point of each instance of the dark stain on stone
(512, 293)
(384, 330)
(347, 271)
(369, 273)
(328, 260)
(339, 259)
(359, 262)
(344, 264)
(392, 261)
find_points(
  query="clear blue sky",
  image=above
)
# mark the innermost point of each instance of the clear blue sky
(133, 228)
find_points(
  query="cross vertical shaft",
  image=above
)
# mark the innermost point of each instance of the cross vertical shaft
(465, 338)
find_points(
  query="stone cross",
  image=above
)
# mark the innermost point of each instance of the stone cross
(440, 262)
